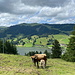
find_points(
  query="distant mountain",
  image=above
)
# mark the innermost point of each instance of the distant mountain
(36, 29)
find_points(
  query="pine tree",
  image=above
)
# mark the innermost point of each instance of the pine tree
(69, 55)
(8, 47)
(70, 51)
(56, 49)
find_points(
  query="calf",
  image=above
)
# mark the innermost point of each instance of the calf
(42, 63)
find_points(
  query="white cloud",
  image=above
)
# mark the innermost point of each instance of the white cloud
(32, 11)
(34, 19)
(49, 12)
(67, 14)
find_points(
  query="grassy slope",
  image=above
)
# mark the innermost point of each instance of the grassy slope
(64, 39)
(22, 65)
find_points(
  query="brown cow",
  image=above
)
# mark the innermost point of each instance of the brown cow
(37, 57)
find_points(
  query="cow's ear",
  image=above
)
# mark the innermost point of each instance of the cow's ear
(32, 56)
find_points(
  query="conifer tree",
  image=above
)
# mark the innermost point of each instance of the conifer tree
(70, 51)
(8, 47)
(56, 49)
(69, 55)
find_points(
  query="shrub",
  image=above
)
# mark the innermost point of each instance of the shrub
(47, 53)
(32, 53)
(36, 52)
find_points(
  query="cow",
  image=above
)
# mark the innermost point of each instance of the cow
(37, 57)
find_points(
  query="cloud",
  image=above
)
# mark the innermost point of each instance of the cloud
(16, 7)
(36, 11)
(49, 3)
(50, 12)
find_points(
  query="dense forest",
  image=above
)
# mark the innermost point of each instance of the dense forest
(35, 29)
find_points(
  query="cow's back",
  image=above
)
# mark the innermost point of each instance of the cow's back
(40, 56)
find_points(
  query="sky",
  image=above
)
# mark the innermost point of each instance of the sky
(14, 12)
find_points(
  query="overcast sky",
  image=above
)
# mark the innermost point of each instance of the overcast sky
(36, 11)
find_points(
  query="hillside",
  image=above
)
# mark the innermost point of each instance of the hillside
(2, 29)
(22, 65)
(37, 29)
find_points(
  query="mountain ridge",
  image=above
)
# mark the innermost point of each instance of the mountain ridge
(37, 29)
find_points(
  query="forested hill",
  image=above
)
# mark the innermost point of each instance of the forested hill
(37, 29)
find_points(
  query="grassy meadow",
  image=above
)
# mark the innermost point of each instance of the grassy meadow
(41, 41)
(23, 65)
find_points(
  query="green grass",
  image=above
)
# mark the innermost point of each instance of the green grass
(23, 65)
(64, 39)
(28, 45)
(41, 41)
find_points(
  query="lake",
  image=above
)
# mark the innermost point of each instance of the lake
(23, 50)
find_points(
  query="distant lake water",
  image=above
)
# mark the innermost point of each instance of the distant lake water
(23, 50)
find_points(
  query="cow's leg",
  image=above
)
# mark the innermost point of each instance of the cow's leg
(34, 63)
(37, 65)
(45, 63)
(44, 66)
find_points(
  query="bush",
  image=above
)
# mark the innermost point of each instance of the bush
(69, 56)
(48, 54)
(36, 52)
(32, 53)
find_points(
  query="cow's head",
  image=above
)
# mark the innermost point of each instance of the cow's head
(33, 58)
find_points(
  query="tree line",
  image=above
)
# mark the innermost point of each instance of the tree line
(7, 47)
(31, 53)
